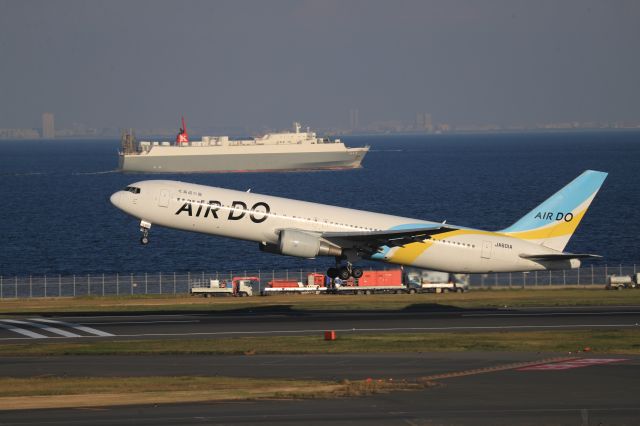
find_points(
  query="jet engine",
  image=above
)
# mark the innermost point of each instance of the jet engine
(301, 244)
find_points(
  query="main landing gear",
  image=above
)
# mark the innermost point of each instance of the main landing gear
(344, 272)
(144, 228)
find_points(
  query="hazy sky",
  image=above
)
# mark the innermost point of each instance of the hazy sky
(265, 63)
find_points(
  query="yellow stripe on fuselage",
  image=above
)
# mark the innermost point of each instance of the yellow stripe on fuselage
(409, 253)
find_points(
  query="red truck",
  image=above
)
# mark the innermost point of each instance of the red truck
(390, 281)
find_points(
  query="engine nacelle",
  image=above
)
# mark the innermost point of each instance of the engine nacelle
(301, 244)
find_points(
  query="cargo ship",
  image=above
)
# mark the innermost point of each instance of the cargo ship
(284, 151)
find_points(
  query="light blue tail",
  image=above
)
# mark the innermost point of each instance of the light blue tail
(554, 221)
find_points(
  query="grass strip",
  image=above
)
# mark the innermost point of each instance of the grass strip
(618, 341)
(384, 302)
(58, 392)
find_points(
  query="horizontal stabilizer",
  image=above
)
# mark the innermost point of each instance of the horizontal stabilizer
(559, 256)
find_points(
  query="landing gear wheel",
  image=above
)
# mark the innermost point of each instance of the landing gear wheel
(356, 272)
(144, 228)
(343, 273)
(332, 273)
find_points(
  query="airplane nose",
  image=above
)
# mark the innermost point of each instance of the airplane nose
(117, 199)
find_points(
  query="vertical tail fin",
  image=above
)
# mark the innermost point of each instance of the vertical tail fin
(553, 222)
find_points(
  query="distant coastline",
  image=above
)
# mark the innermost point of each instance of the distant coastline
(359, 134)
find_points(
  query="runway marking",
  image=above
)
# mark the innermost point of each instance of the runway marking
(548, 314)
(48, 328)
(139, 316)
(570, 364)
(22, 331)
(99, 333)
(76, 326)
(524, 308)
(140, 322)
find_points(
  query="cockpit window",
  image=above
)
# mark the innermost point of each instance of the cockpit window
(133, 189)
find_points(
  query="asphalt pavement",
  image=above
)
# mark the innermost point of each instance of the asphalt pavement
(492, 388)
(281, 321)
(591, 394)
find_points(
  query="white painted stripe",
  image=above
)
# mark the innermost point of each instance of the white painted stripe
(141, 322)
(79, 319)
(48, 328)
(533, 308)
(76, 326)
(550, 314)
(22, 331)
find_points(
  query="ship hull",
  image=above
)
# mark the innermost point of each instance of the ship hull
(242, 162)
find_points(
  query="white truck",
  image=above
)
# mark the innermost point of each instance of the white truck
(238, 286)
(423, 281)
(619, 282)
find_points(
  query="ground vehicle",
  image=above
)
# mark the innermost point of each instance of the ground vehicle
(423, 281)
(371, 282)
(238, 286)
(390, 281)
(314, 285)
(619, 282)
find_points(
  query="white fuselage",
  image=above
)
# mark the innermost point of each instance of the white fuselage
(260, 218)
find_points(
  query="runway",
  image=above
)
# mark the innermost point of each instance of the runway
(584, 395)
(308, 366)
(491, 388)
(281, 321)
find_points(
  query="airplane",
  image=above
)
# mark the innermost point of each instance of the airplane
(303, 229)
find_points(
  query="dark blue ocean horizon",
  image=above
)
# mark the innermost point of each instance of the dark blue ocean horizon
(57, 219)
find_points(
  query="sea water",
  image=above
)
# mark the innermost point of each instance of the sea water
(55, 215)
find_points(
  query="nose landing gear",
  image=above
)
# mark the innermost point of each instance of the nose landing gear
(144, 228)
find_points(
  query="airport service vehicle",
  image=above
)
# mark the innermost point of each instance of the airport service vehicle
(620, 282)
(299, 288)
(297, 228)
(238, 286)
(289, 150)
(372, 282)
(313, 285)
(388, 281)
(437, 282)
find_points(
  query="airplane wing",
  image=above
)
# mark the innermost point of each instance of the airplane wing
(559, 256)
(372, 241)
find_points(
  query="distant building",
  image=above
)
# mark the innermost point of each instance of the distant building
(354, 119)
(48, 127)
(19, 134)
(424, 122)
